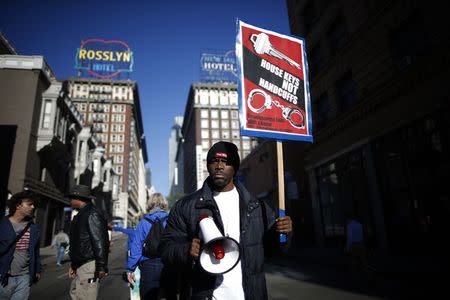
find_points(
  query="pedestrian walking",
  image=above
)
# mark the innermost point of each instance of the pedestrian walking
(20, 261)
(356, 245)
(156, 280)
(238, 215)
(60, 243)
(89, 245)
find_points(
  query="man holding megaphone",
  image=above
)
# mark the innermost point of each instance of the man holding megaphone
(219, 231)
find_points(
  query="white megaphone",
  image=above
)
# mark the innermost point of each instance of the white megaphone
(219, 254)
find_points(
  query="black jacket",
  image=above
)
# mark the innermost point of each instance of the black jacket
(89, 239)
(256, 220)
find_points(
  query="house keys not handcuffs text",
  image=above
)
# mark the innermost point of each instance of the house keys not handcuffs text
(287, 111)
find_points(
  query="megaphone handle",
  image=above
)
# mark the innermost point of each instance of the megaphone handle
(283, 237)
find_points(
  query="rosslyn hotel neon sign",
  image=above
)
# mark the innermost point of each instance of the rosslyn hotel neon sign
(104, 58)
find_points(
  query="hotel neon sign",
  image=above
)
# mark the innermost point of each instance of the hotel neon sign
(104, 58)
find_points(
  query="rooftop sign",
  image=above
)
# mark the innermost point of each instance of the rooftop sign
(104, 58)
(218, 67)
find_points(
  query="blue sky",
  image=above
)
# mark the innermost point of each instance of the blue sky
(166, 37)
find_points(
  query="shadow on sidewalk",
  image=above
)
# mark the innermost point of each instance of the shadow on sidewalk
(391, 278)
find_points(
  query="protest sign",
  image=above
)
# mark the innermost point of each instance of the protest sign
(273, 84)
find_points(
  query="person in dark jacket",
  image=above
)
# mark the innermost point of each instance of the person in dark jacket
(20, 262)
(237, 214)
(89, 245)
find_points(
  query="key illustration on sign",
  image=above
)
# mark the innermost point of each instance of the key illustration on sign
(262, 45)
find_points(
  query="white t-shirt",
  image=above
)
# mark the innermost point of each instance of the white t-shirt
(229, 285)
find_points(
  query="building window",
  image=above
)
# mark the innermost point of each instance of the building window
(309, 16)
(346, 91)
(233, 98)
(235, 134)
(322, 110)
(203, 95)
(234, 114)
(214, 114)
(409, 41)
(214, 97)
(214, 123)
(315, 61)
(205, 134)
(225, 124)
(205, 144)
(204, 123)
(215, 134)
(235, 124)
(223, 95)
(337, 34)
(224, 114)
(224, 98)
(47, 114)
(225, 134)
(204, 113)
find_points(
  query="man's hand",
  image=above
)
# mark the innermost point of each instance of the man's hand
(101, 274)
(131, 279)
(284, 225)
(72, 273)
(195, 248)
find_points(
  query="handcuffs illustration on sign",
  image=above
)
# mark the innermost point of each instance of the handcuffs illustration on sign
(287, 111)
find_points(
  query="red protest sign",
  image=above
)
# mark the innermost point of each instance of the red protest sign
(273, 84)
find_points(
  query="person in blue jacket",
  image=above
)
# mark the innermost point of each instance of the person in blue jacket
(128, 231)
(20, 262)
(153, 276)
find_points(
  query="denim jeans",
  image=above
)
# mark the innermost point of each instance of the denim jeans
(60, 254)
(150, 277)
(18, 288)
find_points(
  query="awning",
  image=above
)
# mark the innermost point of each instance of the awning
(45, 189)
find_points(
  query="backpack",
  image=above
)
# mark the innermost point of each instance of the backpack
(150, 246)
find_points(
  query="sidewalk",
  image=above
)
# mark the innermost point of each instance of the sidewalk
(393, 277)
(379, 263)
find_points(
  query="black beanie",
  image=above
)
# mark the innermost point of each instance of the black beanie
(225, 150)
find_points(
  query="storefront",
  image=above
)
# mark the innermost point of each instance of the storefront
(394, 184)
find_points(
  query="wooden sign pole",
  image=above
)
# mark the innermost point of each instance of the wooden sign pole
(282, 212)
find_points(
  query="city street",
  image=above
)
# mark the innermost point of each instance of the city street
(55, 282)
(287, 278)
